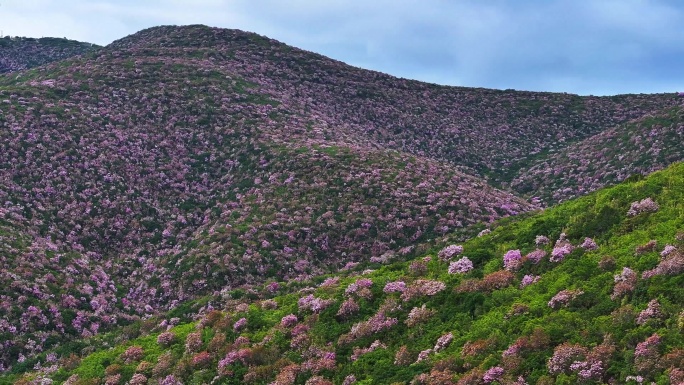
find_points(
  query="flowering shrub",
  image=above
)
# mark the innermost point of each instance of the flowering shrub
(394, 287)
(348, 307)
(138, 379)
(671, 264)
(419, 315)
(564, 356)
(560, 252)
(193, 342)
(646, 354)
(652, 311)
(418, 267)
(201, 360)
(240, 324)
(132, 354)
(589, 244)
(422, 287)
(535, 256)
(461, 266)
(625, 283)
(403, 356)
(358, 352)
(375, 324)
(646, 205)
(669, 249)
(528, 280)
(289, 321)
(512, 260)
(493, 374)
(449, 252)
(313, 304)
(443, 342)
(563, 298)
(165, 339)
(541, 240)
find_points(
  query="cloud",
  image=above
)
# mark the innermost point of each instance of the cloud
(580, 46)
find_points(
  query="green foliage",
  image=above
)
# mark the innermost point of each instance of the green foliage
(484, 322)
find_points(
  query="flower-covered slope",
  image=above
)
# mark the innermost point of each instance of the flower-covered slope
(639, 147)
(20, 53)
(135, 180)
(590, 291)
(493, 132)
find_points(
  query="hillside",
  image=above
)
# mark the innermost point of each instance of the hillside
(492, 132)
(183, 164)
(20, 53)
(130, 168)
(589, 291)
(639, 147)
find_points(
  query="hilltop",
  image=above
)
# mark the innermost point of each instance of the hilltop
(20, 53)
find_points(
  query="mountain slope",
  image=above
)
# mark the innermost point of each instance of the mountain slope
(20, 53)
(603, 304)
(639, 147)
(182, 162)
(494, 133)
(127, 163)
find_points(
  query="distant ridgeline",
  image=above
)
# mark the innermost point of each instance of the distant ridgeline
(20, 53)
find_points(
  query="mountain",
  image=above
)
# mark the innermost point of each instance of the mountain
(20, 53)
(637, 148)
(181, 164)
(589, 291)
(492, 132)
(156, 178)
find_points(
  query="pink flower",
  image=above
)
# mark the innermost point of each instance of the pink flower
(461, 266)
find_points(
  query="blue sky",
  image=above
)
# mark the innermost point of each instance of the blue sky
(599, 47)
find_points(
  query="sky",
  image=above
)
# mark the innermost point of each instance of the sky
(587, 47)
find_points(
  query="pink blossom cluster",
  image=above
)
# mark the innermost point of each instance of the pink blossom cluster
(535, 256)
(541, 240)
(512, 260)
(646, 205)
(443, 342)
(394, 287)
(625, 283)
(589, 244)
(449, 252)
(419, 315)
(358, 352)
(313, 304)
(422, 287)
(461, 266)
(559, 253)
(374, 324)
(529, 279)
(240, 324)
(493, 374)
(289, 321)
(671, 264)
(563, 298)
(652, 311)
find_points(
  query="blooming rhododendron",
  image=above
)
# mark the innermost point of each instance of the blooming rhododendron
(461, 266)
(450, 251)
(512, 260)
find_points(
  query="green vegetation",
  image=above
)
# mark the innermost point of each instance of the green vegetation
(486, 315)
